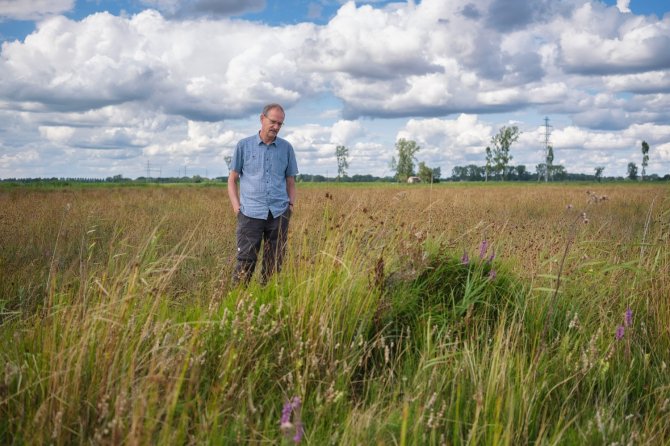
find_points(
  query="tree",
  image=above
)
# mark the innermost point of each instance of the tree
(427, 174)
(550, 163)
(558, 173)
(475, 173)
(489, 162)
(459, 173)
(632, 171)
(341, 153)
(229, 161)
(599, 173)
(393, 164)
(521, 172)
(471, 172)
(645, 158)
(406, 157)
(501, 143)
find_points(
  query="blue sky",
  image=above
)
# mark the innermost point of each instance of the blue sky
(99, 88)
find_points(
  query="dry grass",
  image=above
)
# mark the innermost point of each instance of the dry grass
(118, 323)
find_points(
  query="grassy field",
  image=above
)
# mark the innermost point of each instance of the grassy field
(455, 314)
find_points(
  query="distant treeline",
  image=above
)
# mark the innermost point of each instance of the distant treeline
(459, 173)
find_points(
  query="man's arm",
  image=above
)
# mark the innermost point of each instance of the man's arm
(290, 189)
(233, 191)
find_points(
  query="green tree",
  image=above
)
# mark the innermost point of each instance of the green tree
(459, 173)
(489, 163)
(632, 171)
(475, 173)
(645, 158)
(429, 175)
(406, 158)
(599, 173)
(521, 172)
(341, 153)
(229, 161)
(501, 143)
(550, 163)
(558, 173)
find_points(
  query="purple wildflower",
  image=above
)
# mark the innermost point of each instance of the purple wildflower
(299, 431)
(290, 423)
(492, 257)
(619, 332)
(628, 321)
(465, 259)
(482, 248)
(492, 274)
(286, 413)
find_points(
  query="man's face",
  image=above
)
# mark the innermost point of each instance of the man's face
(271, 123)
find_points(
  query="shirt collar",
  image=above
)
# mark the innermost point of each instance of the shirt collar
(259, 141)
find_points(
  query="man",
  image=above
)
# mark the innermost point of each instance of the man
(265, 166)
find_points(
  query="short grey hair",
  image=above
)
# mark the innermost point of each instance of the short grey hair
(269, 107)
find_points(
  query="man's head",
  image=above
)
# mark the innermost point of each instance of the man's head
(272, 119)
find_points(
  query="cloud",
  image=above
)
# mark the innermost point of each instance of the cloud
(57, 134)
(603, 41)
(8, 161)
(643, 83)
(471, 11)
(602, 119)
(205, 8)
(107, 60)
(345, 132)
(188, 81)
(508, 15)
(33, 9)
(622, 5)
(400, 61)
(449, 142)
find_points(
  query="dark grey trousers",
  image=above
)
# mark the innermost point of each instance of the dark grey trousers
(250, 233)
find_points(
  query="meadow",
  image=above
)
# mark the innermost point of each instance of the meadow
(457, 314)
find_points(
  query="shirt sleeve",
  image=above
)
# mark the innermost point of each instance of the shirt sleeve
(238, 158)
(292, 168)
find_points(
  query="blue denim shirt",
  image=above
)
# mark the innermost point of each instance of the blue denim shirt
(263, 170)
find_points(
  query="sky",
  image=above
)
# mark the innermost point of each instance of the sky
(97, 88)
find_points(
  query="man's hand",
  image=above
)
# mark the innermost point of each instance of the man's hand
(233, 192)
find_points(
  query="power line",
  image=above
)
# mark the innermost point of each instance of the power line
(152, 169)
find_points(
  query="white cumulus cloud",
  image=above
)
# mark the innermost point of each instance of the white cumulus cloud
(33, 9)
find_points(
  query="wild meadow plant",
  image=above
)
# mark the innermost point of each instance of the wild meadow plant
(394, 320)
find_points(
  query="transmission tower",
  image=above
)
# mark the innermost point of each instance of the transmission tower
(547, 146)
(152, 169)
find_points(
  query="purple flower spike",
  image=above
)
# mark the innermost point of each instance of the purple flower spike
(299, 431)
(629, 317)
(290, 423)
(286, 413)
(482, 248)
(619, 332)
(492, 257)
(465, 259)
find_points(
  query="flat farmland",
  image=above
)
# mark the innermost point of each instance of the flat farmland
(456, 313)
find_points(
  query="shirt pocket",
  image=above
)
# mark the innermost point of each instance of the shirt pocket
(252, 161)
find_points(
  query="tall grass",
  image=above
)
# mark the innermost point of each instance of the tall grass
(119, 324)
